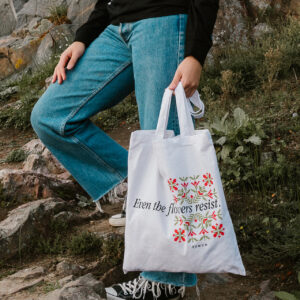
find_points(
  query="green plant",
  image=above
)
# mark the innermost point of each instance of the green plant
(58, 14)
(122, 113)
(237, 142)
(113, 250)
(16, 155)
(84, 243)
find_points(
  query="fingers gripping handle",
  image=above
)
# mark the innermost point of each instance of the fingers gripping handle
(184, 111)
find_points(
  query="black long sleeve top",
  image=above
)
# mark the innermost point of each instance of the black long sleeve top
(202, 16)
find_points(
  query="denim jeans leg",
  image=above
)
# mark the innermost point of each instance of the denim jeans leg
(157, 49)
(102, 77)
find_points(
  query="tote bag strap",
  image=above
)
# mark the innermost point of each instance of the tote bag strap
(184, 111)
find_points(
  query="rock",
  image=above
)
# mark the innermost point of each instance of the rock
(8, 92)
(35, 162)
(21, 280)
(66, 268)
(41, 28)
(230, 24)
(35, 146)
(79, 11)
(19, 184)
(24, 223)
(44, 163)
(14, 105)
(8, 17)
(56, 41)
(48, 81)
(261, 29)
(260, 5)
(83, 288)
(66, 279)
(34, 23)
(16, 53)
(53, 165)
(18, 4)
(34, 8)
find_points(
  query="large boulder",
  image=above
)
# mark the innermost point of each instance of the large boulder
(8, 17)
(231, 23)
(16, 53)
(18, 185)
(34, 8)
(79, 11)
(24, 222)
(56, 41)
(83, 288)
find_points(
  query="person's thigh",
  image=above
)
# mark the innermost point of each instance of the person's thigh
(102, 77)
(157, 50)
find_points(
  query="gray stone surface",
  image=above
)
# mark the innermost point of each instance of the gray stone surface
(24, 222)
(67, 268)
(7, 17)
(21, 280)
(55, 42)
(79, 11)
(34, 8)
(230, 24)
(18, 4)
(83, 288)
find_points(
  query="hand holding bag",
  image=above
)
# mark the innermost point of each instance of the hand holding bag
(177, 218)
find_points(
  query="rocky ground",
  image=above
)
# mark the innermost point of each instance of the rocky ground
(29, 277)
(38, 194)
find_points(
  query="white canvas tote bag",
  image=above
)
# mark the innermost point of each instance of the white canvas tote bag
(177, 218)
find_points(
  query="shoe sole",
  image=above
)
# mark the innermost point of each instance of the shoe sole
(111, 297)
(117, 222)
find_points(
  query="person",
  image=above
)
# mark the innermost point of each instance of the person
(143, 46)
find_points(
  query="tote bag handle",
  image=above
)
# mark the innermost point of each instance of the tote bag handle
(184, 111)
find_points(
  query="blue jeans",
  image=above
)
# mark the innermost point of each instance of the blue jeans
(141, 56)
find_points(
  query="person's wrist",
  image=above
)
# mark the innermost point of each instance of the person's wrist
(195, 60)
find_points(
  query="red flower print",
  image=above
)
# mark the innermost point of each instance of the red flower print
(175, 198)
(204, 220)
(195, 183)
(210, 194)
(179, 235)
(173, 184)
(181, 221)
(207, 179)
(184, 184)
(188, 223)
(192, 196)
(218, 231)
(203, 231)
(195, 220)
(213, 215)
(200, 194)
(183, 196)
(191, 233)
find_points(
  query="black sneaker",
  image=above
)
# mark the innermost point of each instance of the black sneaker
(141, 288)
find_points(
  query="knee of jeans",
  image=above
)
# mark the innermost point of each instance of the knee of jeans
(41, 119)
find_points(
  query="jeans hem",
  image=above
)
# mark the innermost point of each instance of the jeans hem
(113, 186)
(169, 282)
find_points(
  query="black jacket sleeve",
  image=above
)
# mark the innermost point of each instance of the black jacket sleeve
(202, 16)
(96, 23)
